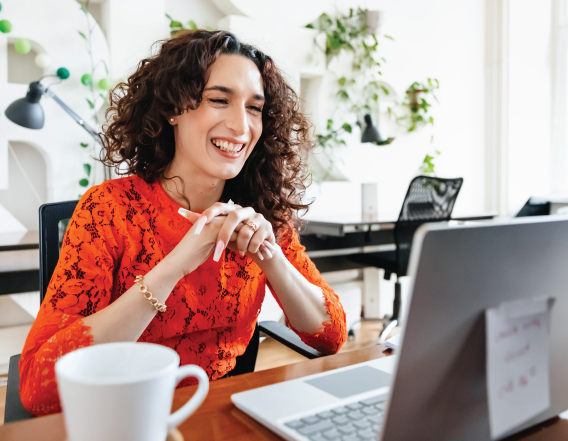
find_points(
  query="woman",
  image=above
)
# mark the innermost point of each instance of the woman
(205, 122)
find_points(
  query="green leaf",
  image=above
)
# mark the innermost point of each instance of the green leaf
(84, 182)
(341, 81)
(87, 168)
(82, 35)
(175, 24)
(431, 120)
(91, 105)
(347, 127)
(340, 26)
(192, 25)
(385, 90)
(343, 95)
(169, 17)
(310, 26)
(329, 124)
(84, 145)
(375, 97)
(389, 37)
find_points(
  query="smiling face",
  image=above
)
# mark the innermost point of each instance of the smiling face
(216, 139)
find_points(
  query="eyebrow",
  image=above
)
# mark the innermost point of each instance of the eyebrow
(231, 91)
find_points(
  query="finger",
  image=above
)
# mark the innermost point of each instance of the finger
(245, 235)
(268, 245)
(219, 208)
(260, 256)
(265, 251)
(264, 230)
(189, 215)
(233, 219)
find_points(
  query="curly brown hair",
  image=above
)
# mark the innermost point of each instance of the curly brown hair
(138, 135)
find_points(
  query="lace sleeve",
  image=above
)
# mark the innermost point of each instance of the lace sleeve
(334, 333)
(81, 285)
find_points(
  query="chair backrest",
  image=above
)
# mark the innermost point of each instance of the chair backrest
(50, 238)
(428, 199)
(535, 207)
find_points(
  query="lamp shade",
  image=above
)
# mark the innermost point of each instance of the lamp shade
(371, 133)
(27, 112)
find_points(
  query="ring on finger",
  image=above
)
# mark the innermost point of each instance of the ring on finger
(251, 224)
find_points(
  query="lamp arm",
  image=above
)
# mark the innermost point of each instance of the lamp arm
(73, 115)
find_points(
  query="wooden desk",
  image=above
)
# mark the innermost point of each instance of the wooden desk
(219, 419)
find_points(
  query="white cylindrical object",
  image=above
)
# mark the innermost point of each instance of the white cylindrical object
(123, 391)
(369, 198)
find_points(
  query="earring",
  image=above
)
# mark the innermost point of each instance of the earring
(171, 120)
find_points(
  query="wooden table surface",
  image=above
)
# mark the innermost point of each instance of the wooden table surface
(219, 419)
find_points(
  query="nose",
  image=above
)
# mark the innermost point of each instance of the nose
(237, 120)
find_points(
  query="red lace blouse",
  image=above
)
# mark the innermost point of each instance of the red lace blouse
(123, 228)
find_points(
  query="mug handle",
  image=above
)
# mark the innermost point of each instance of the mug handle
(176, 418)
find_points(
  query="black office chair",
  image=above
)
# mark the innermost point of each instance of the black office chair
(53, 221)
(428, 199)
(535, 207)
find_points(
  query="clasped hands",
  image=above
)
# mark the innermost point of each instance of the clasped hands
(224, 225)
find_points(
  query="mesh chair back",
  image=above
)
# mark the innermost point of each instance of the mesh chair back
(50, 238)
(428, 199)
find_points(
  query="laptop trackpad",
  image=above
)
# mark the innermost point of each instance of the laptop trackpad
(352, 381)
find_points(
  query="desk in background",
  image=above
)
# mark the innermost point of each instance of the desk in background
(19, 262)
(328, 242)
(218, 419)
(331, 241)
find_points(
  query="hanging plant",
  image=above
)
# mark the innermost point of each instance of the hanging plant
(97, 84)
(417, 106)
(177, 28)
(357, 94)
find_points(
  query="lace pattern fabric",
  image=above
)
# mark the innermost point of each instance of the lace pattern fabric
(123, 228)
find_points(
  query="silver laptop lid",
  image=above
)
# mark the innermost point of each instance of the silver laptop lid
(439, 391)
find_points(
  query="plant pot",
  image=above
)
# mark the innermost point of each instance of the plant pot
(414, 98)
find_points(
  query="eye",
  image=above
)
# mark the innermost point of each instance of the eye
(219, 101)
(255, 108)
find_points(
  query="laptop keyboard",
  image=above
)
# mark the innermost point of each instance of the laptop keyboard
(353, 422)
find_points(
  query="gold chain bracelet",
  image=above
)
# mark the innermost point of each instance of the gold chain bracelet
(160, 307)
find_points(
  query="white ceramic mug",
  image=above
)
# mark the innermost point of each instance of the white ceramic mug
(124, 391)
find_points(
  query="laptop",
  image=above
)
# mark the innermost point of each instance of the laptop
(435, 388)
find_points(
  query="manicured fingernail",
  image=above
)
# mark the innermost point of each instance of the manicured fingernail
(200, 224)
(218, 250)
(267, 251)
(231, 202)
(259, 254)
(242, 253)
(183, 212)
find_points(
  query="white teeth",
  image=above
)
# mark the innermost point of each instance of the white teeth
(227, 146)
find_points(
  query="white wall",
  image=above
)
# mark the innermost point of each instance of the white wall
(530, 100)
(441, 39)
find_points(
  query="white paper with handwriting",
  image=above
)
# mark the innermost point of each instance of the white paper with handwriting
(518, 383)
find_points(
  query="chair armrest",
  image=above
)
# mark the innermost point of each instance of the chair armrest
(14, 410)
(289, 338)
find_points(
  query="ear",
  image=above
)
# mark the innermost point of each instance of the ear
(172, 120)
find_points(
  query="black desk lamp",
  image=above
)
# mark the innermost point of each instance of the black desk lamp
(27, 112)
(371, 133)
